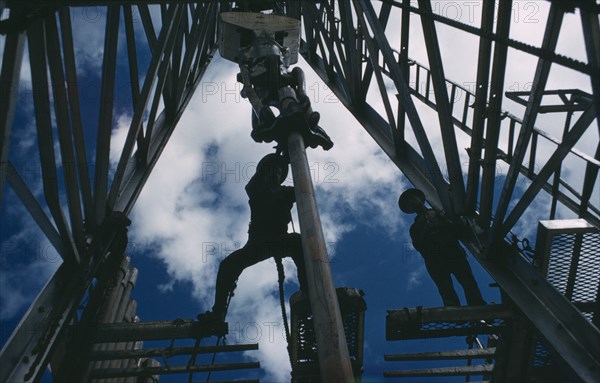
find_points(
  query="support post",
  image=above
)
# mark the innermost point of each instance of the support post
(334, 361)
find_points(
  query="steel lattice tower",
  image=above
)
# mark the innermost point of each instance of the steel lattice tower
(346, 44)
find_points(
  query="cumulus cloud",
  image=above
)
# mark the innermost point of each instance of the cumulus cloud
(89, 26)
(27, 261)
(18, 289)
(415, 278)
(193, 211)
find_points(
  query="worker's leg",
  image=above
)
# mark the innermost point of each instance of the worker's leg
(232, 267)
(229, 271)
(292, 247)
(464, 275)
(441, 276)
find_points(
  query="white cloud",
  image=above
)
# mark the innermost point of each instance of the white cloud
(415, 278)
(89, 26)
(18, 289)
(12, 300)
(193, 210)
(27, 259)
(24, 254)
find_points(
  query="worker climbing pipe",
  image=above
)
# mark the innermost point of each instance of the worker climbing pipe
(267, 83)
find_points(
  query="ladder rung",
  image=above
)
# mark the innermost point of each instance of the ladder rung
(162, 370)
(434, 322)
(157, 330)
(442, 371)
(443, 355)
(152, 352)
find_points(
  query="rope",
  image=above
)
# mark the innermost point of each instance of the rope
(214, 356)
(165, 352)
(192, 360)
(281, 277)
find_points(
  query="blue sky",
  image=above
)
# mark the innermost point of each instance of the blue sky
(186, 221)
(193, 210)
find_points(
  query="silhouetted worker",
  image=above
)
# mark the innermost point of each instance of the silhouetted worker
(113, 229)
(270, 205)
(436, 238)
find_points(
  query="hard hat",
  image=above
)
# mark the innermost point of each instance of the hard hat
(273, 161)
(404, 202)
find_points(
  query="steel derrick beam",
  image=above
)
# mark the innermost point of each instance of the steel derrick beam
(333, 45)
(133, 170)
(137, 170)
(365, 81)
(590, 212)
(551, 166)
(156, 71)
(494, 116)
(353, 51)
(480, 110)
(9, 85)
(591, 34)
(65, 132)
(410, 162)
(75, 114)
(542, 72)
(403, 62)
(136, 173)
(45, 42)
(106, 113)
(575, 340)
(457, 186)
(325, 40)
(373, 50)
(523, 47)
(28, 351)
(37, 52)
(576, 201)
(133, 65)
(366, 15)
(33, 207)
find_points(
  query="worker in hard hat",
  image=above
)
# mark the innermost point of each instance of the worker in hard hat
(436, 239)
(270, 214)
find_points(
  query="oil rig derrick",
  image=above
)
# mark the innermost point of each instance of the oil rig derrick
(84, 325)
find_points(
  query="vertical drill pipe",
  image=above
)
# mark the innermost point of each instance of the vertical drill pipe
(334, 361)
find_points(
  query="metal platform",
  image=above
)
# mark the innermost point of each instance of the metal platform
(377, 79)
